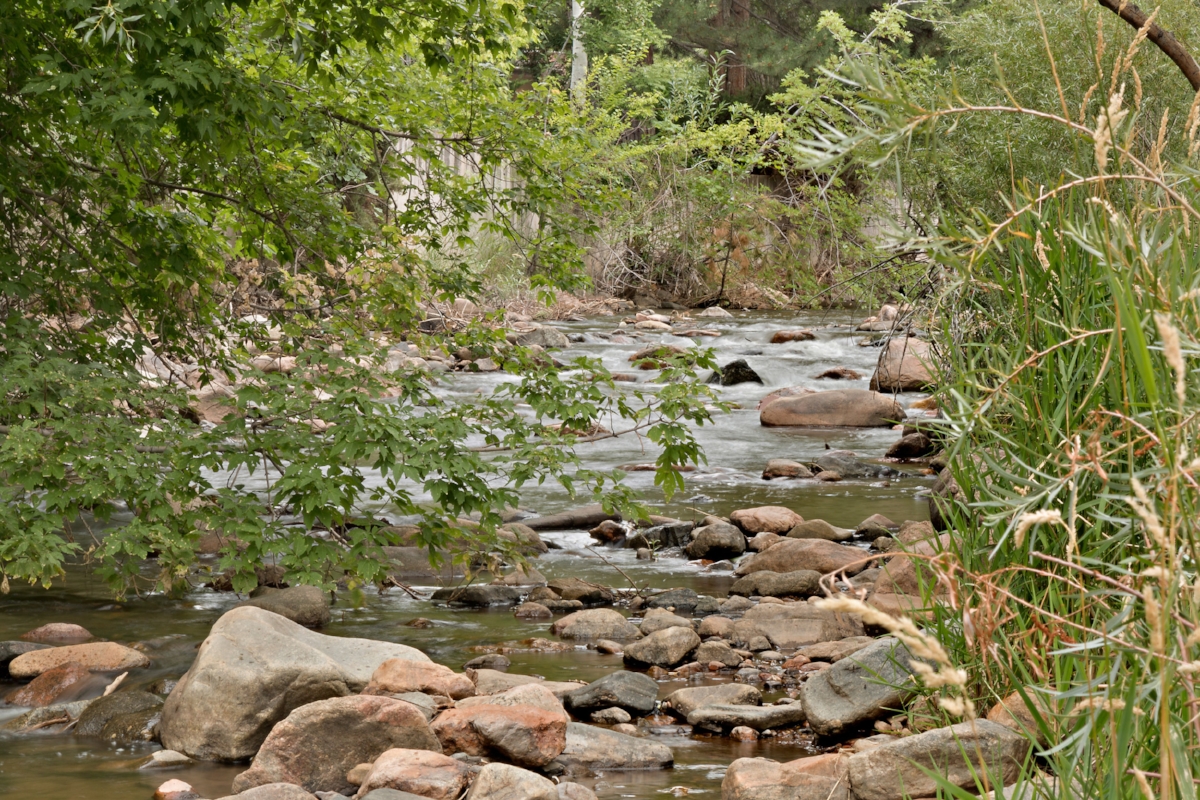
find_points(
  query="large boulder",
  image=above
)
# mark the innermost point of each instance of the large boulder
(718, 541)
(97, 656)
(592, 748)
(524, 735)
(659, 619)
(305, 605)
(253, 670)
(506, 782)
(665, 648)
(631, 691)
(769, 519)
(822, 777)
(421, 772)
(860, 688)
(841, 408)
(58, 633)
(544, 336)
(905, 365)
(799, 583)
(595, 623)
(319, 743)
(818, 555)
(735, 372)
(969, 755)
(684, 701)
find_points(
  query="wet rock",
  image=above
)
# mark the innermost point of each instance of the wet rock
(666, 648)
(582, 518)
(874, 526)
(42, 718)
(596, 623)
(849, 465)
(630, 691)
(592, 748)
(319, 743)
(544, 336)
(658, 619)
(790, 555)
(841, 408)
(743, 734)
(679, 599)
(715, 626)
(412, 563)
(489, 661)
(721, 652)
(733, 373)
(591, 595)
(735, 605)
(819, 529)
(505, 782)
(420, 623)
(10, 650)
(609, 532)
(397, 675)
(901, 768)
(715, 542)
(562, 606)
(534, 694)
(835, 651)
(783, 468)
(477, 596)
(684, 701)
(58, 685)
(58, 633)
(98, 657)
(421, 772)
(254, 669)
(904, 366)
(524, 735)
(769, 519)
(304, 605)
(912, 445)
(824, 777)
(792, 625)
(166, 759)
(798, 583)
(611, 716)
(787, 391)
(782, 337)
(722, 717)
(860, 688)
(670, 534)
(839, 374)
(121, 717)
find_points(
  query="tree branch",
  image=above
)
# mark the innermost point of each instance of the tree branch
(1163, 39)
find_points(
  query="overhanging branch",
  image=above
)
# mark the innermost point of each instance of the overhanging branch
(1162, 39)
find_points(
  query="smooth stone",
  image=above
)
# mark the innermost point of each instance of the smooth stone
(684, 701)
(631, 691)
(304, 605)
(583, 518)
(835, 651)
(840, 408)
(819, 529)
(798, 583)
(255, 668)
(525, 735)
(862, 687)
(715, 542)
(905, 365)
(430, 775)
(818, 555)
(723, 716)
(167, 758)
(784, 468)
(491, 682)
(489, 661)
(592, 748)
(97, 656)
(788, 626)
(765, 519)
(611, 716)
(824, 777)
(399, 675)
(58, 633)
(659, 619)
(318, 744)
(591, 595)
(595, 623)
(721, 652)
(506, 782)
(675, 599)
(534, 694)
(273, 791)
(666, 648)
(58, 685)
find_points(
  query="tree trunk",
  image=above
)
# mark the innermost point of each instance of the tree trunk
(579, 58)
(1161, 38)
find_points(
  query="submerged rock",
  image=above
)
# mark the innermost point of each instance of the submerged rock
(98, 657)
(319, 743)
(57, 685)
(254, 669)
(58, 633)
(122, 717)
(849, 465)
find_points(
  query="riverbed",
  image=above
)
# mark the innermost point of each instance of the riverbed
(737, 447)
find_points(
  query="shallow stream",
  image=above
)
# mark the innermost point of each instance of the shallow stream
(737, 447)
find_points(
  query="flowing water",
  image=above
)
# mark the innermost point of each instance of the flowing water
(737, 447)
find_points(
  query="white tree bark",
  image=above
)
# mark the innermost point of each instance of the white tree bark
(579, 58)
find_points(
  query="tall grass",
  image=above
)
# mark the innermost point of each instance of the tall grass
(1069, 333)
